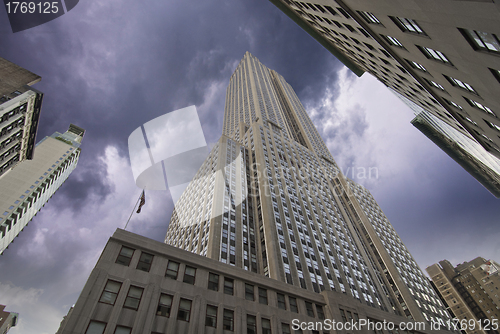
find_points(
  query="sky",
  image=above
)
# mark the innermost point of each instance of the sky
(110, 66)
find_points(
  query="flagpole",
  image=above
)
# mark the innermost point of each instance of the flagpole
(133, 210)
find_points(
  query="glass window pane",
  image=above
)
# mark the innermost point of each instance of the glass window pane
(95, 328)
(135, 292)
(122, 330)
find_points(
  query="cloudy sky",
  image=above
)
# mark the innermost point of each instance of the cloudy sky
(110, 66)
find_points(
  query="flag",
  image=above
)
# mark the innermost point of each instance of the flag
(143, 201)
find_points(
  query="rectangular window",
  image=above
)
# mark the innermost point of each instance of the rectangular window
(228, 320)
(461, 84)
(263, 296)
(213, 282)
(496, 73)
(482, 41)
(189, 275)
(433, 54)
(266, 326)
(184, 310)
(110, 292)
(281, 301)
(285, 328)
(369, 17)
(96, 327)
(172, 270)
(125, 256)
(122, 330)
(133, 297)
(251, 324)
(164, 305)
(319, 311)
(145, 262)
(408, 25)
(211, 317)
(309, 309)
(416, 65)
(228, 286)
(293, 304)
(394, 41)
(480, 106)
(249, 292)
(492, 125)
(451, 103)
(434, 84)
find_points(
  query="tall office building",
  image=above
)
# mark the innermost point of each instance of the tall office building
(27, 188)
(471, 291)
(20, 107)
(270, 199)
(7, 320)
(439, 56)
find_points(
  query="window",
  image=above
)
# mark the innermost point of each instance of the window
(189, 275)
(122, 330)
(435, 84)
(95, 327)
(145, 262)
(433, 54)
(482, 41)
(496, 73)
(110, 292)
(369, 17)
(164, 305)
(228, 286)
(251, 324)
(213, 282)
(319, 311)
(293, 304)
(125, 256)
(285, 328)
(451, 103)
(394, 41)
(461, 84)
(184, 310)
(133, 297)
(172, 270)
(408, 25)
(281, 301)
(416, 65)
(211, 318)
(492, 125)
(309, 309)
(228, 320)
(480, 106)
(249, 293)
(266, 326)
(263, 296)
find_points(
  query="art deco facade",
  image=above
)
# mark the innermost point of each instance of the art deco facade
(20, 107)
(443, 56)
(470, 290)
(271, 200)
(30, 185)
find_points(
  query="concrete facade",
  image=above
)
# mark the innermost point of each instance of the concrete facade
(7, 320)
(442, 56)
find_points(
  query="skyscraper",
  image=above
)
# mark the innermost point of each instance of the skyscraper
(20, 107)
(437, 56)
(27, 188)
(7, 320)
(270, 199)
(470, 290)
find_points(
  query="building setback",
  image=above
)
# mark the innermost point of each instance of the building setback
(439, 57)
(20, 107)
(7, 320)
(470, 291)
(270, 199)
(30, 185)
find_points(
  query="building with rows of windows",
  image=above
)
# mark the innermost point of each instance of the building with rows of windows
(30, 185)
(440, 57)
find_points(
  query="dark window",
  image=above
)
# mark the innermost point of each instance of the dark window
(125, 256)
(416, 65)
(228, 286)
(281, 301)
(496, 73)
(263, 296)
(285, 328)
(331, 10)
(251, 324)
(346, 14)
(213, 282)
(309, 309)
(145, 262)
(133, 297)
(249, 292)
(164, 305)
(293, 304)
(458, 83)
(482, 41)
(408, 25)
(189, 275)
(122, 330)
(434, 54)
(172, 270)
(228, 320)
(369, 17)
(211, 318)
(184, 310)
(266, 326)
(480, 106)
(319, 311)
(95, 327)
(342, 314)
(110, 292)
(394, 41)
